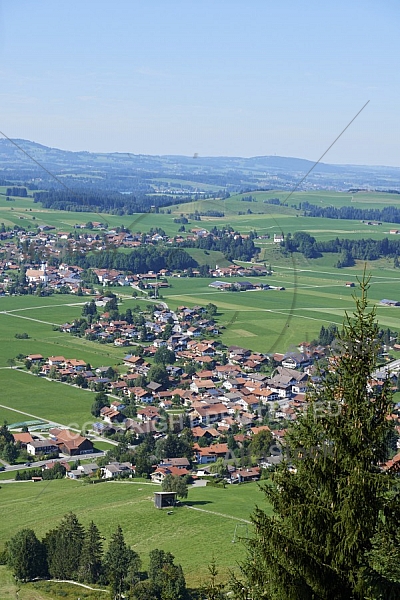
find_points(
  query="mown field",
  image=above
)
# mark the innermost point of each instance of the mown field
(49, 400)
(273, 321)
(38, 316)
(193, 535)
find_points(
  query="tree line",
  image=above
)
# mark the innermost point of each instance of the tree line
(17, 191)
(388, 214)
(140, 260)
(349, 250)
(105, 202)
(233, 247)
(73, 552)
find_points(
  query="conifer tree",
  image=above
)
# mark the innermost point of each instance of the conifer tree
(92, 550)
(64, 546)
(336, 515)
(26, 555)
(119, 562)
(167, 578)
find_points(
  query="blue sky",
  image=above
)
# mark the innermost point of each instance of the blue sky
(216, 77)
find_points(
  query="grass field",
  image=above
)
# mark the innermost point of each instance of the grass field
(37, 316)
(266, 218)
(193, 536)
(273, 320)
(267, 321)
(43, 590)
(49, 400)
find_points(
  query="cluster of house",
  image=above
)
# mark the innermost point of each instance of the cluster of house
(219, 397)
(176, 467)
(242, 286)
(50, 243)
(186, 324)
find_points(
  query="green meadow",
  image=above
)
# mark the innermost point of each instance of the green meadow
(38, 317)
(265, 218)
(193, 533)
(272, 320)
(268, 321)
(49, 400)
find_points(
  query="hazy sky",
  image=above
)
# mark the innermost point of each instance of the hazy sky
(216, 77)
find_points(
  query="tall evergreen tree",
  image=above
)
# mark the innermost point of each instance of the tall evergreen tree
(167, 578)
(64, 547)
(92, 550)
(336, 514)
(119, 562)
(26, 555)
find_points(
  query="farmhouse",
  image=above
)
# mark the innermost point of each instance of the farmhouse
(23, 438)
(116, 469)
(34, 358)
(207, 413)
(37, 447)
(211, 453)
(161, 473)
(243, 475)
(71, 443)
(278, 238)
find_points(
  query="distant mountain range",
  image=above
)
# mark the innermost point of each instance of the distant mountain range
(23, 161)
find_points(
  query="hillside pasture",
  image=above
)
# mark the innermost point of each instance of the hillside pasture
(202, 528)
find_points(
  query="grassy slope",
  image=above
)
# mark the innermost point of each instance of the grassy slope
(193, 537)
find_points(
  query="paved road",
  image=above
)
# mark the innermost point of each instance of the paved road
(40, 463)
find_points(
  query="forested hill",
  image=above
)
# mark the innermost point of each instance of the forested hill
(24, 161)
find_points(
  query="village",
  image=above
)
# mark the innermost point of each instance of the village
(34, 261)
(232, 403)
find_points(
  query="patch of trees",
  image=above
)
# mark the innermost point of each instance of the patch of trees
(58, 471)
(274, 201)
(73, 552)
(106, 202)
(175, 445)
(10, 450)
(232, 245)
(327, 335)
(301, 242)
(140, 260)
(388, 214)
(349, 250)
(100, 401)
(16, 191)
(175, 483)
